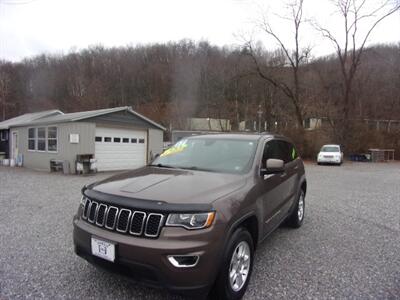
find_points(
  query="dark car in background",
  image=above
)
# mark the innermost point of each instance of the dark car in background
(192, 219)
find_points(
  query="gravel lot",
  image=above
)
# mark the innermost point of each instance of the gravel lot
(348, 247)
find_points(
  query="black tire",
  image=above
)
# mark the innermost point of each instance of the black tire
(222, 289)
(294, 219)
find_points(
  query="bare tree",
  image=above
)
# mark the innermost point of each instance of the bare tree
(350, 51)
(294, 58)
(4, 89)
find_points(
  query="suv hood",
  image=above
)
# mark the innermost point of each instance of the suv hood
(171, 185)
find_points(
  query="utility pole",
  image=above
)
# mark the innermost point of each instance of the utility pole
(259, 113)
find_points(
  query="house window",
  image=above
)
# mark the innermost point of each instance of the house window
(107, 139)
(41, 139)
(32, 139)
(52, 139)
(133, 141)
(141, 141)
(4, 135)
(98, 139)
(117, 140)
(125, 140)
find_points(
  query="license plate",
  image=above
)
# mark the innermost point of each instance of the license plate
(103, 249)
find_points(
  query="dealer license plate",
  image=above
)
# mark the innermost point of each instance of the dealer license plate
(103, 249)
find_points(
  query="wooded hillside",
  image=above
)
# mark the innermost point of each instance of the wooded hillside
(172, 82)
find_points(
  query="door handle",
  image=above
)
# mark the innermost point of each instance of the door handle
(283, 175)
(296, 167)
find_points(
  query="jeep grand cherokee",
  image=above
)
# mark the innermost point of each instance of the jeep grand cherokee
(191, 220)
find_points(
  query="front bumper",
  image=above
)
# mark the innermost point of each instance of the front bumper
(145, 260)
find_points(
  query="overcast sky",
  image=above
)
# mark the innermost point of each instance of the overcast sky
(31, 27)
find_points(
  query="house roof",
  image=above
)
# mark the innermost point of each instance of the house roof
(26, 118)
(78, 116)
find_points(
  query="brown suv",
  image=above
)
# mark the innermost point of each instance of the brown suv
(192, 219)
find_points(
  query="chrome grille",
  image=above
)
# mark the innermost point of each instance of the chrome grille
(92, 212)
(152, 224)
(123, 220)
(137, 223)
(101, 214)
(111, 218)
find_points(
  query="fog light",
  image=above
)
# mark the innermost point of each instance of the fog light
(183, 261)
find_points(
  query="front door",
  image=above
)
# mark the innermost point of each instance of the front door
(274, 188)
(14, 144)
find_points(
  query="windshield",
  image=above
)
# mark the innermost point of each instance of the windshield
(209, 154)
(330, 149)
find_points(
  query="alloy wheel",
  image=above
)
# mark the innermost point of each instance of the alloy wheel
(240, 266)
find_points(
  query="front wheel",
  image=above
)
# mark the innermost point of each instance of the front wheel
(236, 268)
(295, 220)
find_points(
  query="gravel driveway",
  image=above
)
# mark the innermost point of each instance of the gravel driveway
(348, 247)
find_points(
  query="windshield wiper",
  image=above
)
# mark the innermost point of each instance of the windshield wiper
(194, 168)
(162, 166)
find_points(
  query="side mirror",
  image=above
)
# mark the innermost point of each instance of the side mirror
(273, 166)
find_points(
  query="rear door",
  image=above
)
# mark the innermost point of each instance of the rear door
(291, 173)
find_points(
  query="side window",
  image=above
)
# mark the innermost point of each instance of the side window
(289, 151)
(272, 149)
(41, 139)
(32, 139)
(284, 151)
(52, 137)
(279, 150)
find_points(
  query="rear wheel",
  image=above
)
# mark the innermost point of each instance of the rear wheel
(295, 220)
(237, 265)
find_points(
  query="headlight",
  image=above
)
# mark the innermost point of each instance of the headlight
(191, 221)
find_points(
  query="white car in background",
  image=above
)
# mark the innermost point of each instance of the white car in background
(330, 154)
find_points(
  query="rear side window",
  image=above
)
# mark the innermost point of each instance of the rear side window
(292, 152)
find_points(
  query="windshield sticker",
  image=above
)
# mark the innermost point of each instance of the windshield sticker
(177, 148)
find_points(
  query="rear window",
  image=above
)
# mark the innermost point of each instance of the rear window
(330, 149)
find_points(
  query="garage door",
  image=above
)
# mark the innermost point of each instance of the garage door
(120, 149)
